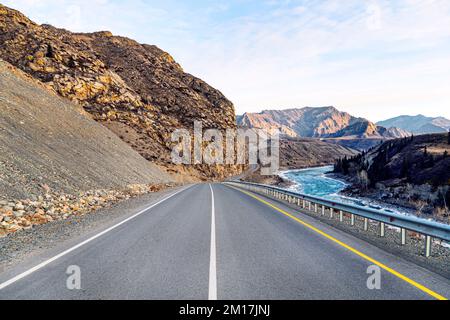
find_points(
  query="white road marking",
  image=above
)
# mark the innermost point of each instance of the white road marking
(43, 264)
(212, 295)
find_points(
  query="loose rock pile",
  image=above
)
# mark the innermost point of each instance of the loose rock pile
(52, 206)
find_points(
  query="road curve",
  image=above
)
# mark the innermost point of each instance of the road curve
(214, 241)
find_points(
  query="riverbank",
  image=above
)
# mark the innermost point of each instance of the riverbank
(389, 199)
(321, 182)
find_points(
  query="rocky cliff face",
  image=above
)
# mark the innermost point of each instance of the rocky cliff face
(326, 122)
(138, 91)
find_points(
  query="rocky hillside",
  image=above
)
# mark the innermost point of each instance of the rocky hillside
(56, 161)
(419, 124)
(413, 171)
(46, 140)
(326, 122)
(299, 153)
(138, 91)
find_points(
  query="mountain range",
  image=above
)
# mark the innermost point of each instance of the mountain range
(325, 123)
(419, 124)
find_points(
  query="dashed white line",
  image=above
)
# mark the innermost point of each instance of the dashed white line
(212, 294)
(43, 264)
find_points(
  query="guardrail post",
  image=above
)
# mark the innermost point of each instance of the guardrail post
(341, 216)
(427, 246)
(352, 220)
(304, 204)
(309, 205)
(323, 210)
(298, 201)
(315, 207)
(382, 229)
(403, 234)
(331, 213)
(366, 224)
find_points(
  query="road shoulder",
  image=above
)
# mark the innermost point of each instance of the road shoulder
(26, 247)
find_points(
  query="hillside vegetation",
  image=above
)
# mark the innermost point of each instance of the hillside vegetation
(412, 171)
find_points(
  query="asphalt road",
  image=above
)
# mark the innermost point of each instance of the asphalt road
(213, 241)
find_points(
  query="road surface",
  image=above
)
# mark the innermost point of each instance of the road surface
(211, 241)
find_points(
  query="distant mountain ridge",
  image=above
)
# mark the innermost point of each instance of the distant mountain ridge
(419, 124)
(323, 122)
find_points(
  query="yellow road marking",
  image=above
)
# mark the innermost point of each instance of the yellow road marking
(357, 252)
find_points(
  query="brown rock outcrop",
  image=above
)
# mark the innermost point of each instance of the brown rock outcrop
(138, 91)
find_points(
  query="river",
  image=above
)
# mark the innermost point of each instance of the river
(314, 182)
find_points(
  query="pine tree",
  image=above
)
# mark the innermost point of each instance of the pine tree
(405, 168)
(345, 166)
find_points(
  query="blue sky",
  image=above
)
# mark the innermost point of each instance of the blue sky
(373, 58)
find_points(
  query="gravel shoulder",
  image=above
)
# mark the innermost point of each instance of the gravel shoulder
(29, 247)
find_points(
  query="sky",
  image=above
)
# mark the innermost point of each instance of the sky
(372, 58)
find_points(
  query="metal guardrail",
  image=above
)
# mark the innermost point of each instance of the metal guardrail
(430, 229)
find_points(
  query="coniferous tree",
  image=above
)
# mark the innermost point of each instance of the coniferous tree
(345, 166)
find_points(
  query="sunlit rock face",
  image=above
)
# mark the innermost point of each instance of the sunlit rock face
(136, 90)
(324, 122)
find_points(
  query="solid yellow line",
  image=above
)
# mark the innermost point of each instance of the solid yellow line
(346, 246)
